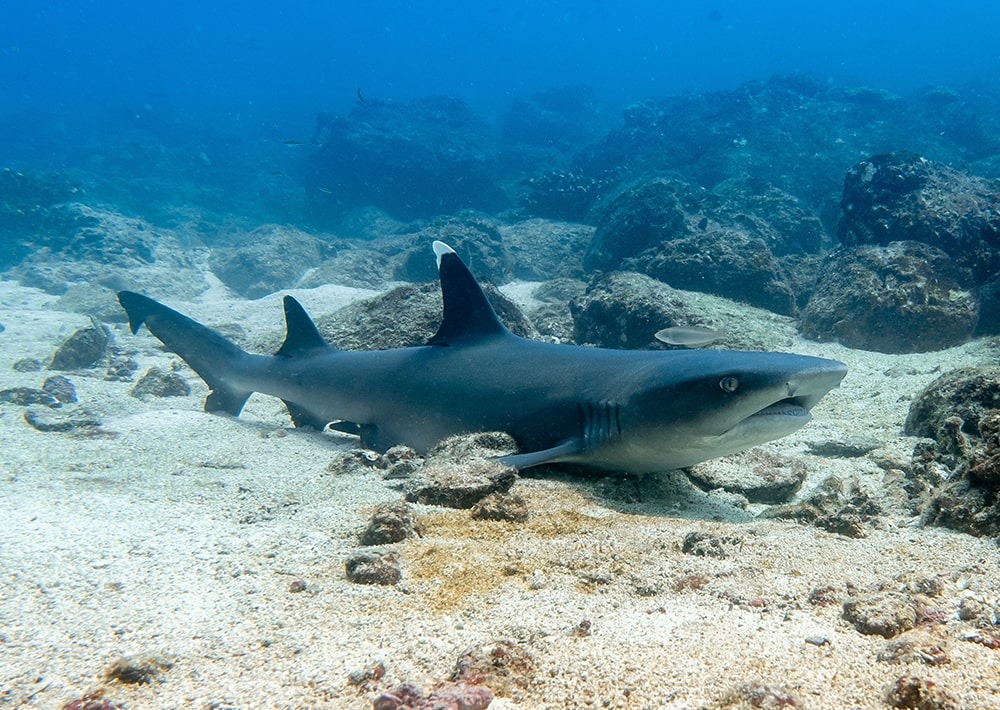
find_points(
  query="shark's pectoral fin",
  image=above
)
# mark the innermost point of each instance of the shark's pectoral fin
(561, 452)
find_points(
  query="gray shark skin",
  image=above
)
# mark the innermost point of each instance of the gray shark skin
(628, 411)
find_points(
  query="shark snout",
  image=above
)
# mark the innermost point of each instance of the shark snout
(807, 387)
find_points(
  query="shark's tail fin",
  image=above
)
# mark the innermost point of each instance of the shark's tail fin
(213, 357)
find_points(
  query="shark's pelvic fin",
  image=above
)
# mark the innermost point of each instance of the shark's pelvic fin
(301, 334)
(207, 352)
(467, 313)
(300, 417)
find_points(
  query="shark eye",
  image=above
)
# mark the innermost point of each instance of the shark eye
(729, 383)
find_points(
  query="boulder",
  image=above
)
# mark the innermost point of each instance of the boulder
(902, 196)
(415, 160)
(904, 297)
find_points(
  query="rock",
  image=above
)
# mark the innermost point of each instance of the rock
(272, 258)
(432, 156)
(33, 208)
(448, 696)
(989, 309)
(502, 665)
(780, 220)
(60, 388)
(25, 396)
(27, 364)
(644, 215)
(389, 522)
(362, 676)
(566, 193)
(915, 647)
(760, 695)
(110, 250)
(970, 501)
(549, 308)
(724, 261)
(121, 367)
(158, 382)
(703, 544)
(542, 250)
(618, 309)
(886, 614)
(137, 670)
(967, 393)
(708, 137)
(462, 470)
(837, 505)
(83, 349)
(62, 420)
(373, 568)
(900, 298)
(902, 196)
(849, 447)
(475, 237)
(915, 693)
(397, 462)
(92, 701)
(403, 253)
(759, 475)
(405, 316)
(625, 310)
(501, 506)
(561, 116)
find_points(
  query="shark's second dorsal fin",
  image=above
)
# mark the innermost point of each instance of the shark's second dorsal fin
(467, 313)
(301, 333)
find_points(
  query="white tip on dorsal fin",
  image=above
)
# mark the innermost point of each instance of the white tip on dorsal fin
(440, 249)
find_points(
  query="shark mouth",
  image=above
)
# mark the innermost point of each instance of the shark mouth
(788, 407)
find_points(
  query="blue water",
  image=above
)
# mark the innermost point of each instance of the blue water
(267, 68)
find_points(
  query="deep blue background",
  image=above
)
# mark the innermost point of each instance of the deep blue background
(267, 68)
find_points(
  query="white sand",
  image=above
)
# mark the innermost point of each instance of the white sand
(176, 536)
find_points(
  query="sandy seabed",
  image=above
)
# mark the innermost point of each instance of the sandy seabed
(175, 536)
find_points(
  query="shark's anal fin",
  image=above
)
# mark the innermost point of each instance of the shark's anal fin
(536, 458)
(207, 352)
(301, 334)
(468, 315)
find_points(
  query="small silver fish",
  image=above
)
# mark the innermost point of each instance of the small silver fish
(689, 336)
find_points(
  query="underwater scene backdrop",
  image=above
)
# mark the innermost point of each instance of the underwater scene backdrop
(821, 179)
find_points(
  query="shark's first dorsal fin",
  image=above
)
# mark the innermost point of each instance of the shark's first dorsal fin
(467, 313)
(301, 333)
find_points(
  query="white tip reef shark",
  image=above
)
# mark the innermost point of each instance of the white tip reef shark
(620, 410)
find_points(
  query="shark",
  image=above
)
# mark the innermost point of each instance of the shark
(630, 411)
